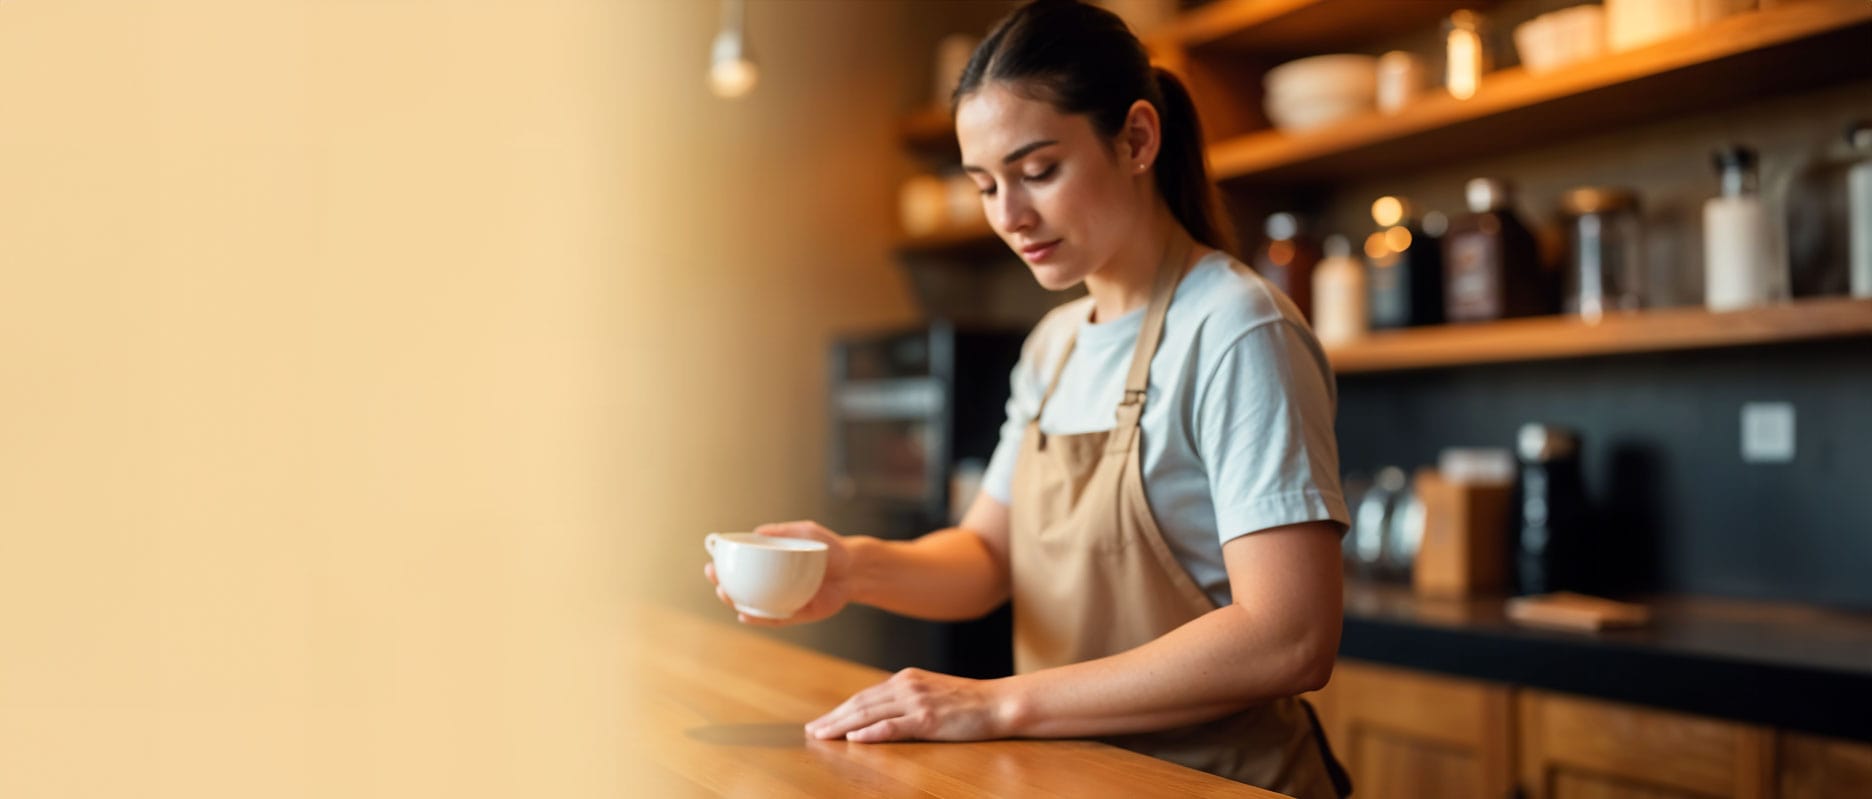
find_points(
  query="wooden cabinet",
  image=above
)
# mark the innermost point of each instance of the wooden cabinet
(1811, 767)
(1405, 734)
(1575, 748)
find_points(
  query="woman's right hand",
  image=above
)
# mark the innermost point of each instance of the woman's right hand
(834, 590)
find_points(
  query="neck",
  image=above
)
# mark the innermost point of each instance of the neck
(1124, 283)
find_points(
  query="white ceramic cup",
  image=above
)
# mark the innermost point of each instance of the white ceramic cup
(769, 577)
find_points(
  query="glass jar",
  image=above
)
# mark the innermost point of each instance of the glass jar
(1491, 264)
(1466, 54)
(1286, 259)
(1406, 274)
(1605, 246)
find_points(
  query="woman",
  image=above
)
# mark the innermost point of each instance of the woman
(1175, 575)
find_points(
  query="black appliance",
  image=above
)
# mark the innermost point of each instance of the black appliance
(911, 412)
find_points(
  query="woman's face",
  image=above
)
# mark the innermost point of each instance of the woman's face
(1060, 195)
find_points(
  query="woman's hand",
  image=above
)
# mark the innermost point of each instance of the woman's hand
(834, 590)
(920, 705)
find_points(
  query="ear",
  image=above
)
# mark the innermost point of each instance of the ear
(1141, 137)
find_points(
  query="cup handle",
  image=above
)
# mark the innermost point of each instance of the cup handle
(709, 543)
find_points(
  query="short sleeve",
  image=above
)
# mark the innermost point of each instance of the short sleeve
(1264, 430)
(1024, 391)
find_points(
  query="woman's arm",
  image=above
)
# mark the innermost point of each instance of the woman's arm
(956, 573)
(1278, 638)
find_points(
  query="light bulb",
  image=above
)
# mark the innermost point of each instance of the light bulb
(731, 73)
(1387, 211)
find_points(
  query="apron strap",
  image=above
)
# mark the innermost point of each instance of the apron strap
(1057, 371)
(1041, 435)
(1137, 383)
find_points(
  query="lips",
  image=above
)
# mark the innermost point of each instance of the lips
(1040, 251)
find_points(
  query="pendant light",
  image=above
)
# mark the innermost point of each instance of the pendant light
(731, 67)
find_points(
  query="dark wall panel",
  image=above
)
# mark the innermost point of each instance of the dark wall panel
(1661, 449)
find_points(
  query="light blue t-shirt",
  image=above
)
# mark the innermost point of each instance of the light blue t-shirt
(1238, 421)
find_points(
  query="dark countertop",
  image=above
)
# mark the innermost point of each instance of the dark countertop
(1792, 666)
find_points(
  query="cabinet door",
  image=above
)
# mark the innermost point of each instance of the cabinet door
(1406, 734)
(1574, 748)
(1812, 767)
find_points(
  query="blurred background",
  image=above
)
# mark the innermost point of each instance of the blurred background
(361, 363)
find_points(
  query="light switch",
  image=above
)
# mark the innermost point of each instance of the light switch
(1767, 432)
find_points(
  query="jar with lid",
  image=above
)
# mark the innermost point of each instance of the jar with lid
(1605, 263)
(1372, 522)
(1466, 56)
(1491, 264)
(1859, 208)
(1339, 312)
(1405, 279)
(1739, 264)
(1405, 536)
(1286, 259)
(1400, 80)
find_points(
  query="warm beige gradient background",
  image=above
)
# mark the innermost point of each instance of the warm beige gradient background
(359, 360)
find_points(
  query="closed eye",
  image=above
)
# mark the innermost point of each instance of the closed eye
(1038, 177)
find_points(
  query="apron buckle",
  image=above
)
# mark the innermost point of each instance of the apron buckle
(1134, 396)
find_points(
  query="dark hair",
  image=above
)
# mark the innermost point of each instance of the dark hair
(1083, 60)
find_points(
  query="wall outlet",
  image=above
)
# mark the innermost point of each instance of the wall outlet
(1767, 432)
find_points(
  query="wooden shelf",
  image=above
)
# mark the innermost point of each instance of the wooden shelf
(1553, 337)
(1292, 28)
(930, 132)
(1749, 55)
(964, 242)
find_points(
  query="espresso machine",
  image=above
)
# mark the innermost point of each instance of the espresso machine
(914, 416)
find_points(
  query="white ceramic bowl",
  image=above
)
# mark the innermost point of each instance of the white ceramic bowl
(1556, 39)
(1306, 114)
(767, 576)
(1339, 76)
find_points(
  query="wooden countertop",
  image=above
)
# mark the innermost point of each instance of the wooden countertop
(1786, 665)
(718, 711)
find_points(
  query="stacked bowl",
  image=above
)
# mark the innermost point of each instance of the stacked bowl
(1320, 90)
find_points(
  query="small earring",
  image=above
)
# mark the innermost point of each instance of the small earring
(1141, 167)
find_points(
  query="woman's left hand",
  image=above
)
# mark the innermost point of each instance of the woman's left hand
(920, 705)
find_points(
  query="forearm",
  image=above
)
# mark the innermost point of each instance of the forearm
(946, 575)
(1219, 663)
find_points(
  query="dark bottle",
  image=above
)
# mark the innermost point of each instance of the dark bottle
(1491, 264)
(1406, 275)
(1287, 259)
(1550, 510)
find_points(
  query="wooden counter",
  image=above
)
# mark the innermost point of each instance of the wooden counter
(718, 711)
(1783, 665)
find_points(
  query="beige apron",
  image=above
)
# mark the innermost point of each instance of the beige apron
(1092, 577)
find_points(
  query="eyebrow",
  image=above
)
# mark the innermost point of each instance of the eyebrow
(1019, 153)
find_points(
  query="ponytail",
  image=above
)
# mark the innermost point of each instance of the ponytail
(1182, 175)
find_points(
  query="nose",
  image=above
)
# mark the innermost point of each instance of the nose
(1010, 211)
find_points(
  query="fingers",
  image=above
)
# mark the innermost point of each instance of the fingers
(800, 529)
(889, 729)
(864, 709)
(708, 570)
(810, 613)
